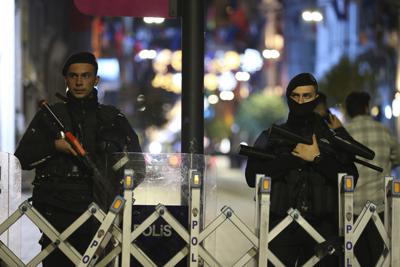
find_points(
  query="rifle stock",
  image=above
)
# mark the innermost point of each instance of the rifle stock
(254, 152)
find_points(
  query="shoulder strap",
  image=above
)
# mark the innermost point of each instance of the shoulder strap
(61, 111)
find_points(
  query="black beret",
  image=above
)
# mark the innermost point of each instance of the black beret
(81, 57)
(301, 79)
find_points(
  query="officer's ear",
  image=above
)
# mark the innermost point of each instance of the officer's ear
(97, 80)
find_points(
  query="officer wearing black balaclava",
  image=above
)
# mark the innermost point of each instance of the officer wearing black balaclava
(303, 177)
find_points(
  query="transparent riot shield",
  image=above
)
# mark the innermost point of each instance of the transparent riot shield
(10, 198)
(164, 179)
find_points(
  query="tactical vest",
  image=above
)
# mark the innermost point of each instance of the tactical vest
(62, 181)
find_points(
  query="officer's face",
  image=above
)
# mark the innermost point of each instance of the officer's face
(81, 79)
(303, 94)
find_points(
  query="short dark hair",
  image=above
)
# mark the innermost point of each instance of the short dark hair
(356, 102)
(81, 57)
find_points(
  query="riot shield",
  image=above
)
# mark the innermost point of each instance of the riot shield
(10, 198)
(164, 178)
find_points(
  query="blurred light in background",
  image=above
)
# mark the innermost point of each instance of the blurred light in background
(211, 81)
(312, 16)
(206, 103)
(7, 76)
(153, 20)
(235, 128)
(174, 160)
(275, 42)
(213, 99)
(231, 60)
(177, 81)
(227, 81)
(388, 112)
(162, 60)
(242, 76)
(206, 142)
(244, 92)
(271, 54)
(226, 95)
(176, 61)
(225, 146)
(374, 111)
(155, 147)
(147, 54)
(396, 106)
(108, 69)
(251, 60)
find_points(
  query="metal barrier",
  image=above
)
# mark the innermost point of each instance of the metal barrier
(389, 232)
(10, 199)
(123, 240)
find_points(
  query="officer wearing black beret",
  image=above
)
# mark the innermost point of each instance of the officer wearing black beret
(64, 186)
(303, 177)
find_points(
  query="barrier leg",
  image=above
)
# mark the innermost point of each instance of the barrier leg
(264, 198)
(195, 214)
(127, 217)
(93, 249)
(395, 233)
(348, 189)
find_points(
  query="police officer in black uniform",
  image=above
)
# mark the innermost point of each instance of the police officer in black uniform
(64, 185)
(303, 177)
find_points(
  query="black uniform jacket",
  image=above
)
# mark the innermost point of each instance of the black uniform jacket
(311, 187)
(62, 180)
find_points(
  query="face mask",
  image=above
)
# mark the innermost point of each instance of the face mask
(304, 109)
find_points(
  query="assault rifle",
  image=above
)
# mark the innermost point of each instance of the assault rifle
(100, 183)
(329, 146)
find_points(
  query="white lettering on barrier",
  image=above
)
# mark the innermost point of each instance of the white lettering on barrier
(157, 230)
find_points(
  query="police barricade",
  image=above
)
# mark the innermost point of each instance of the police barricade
(165, 181)
(156, 218)
(10, 198)
(130, 228)
(193, 249)
(388, 231)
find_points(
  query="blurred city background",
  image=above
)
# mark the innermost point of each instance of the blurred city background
(252, 49)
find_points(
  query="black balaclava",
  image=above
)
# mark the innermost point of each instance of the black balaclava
(305, 110)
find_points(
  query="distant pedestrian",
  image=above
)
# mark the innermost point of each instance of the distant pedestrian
(370, 186)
